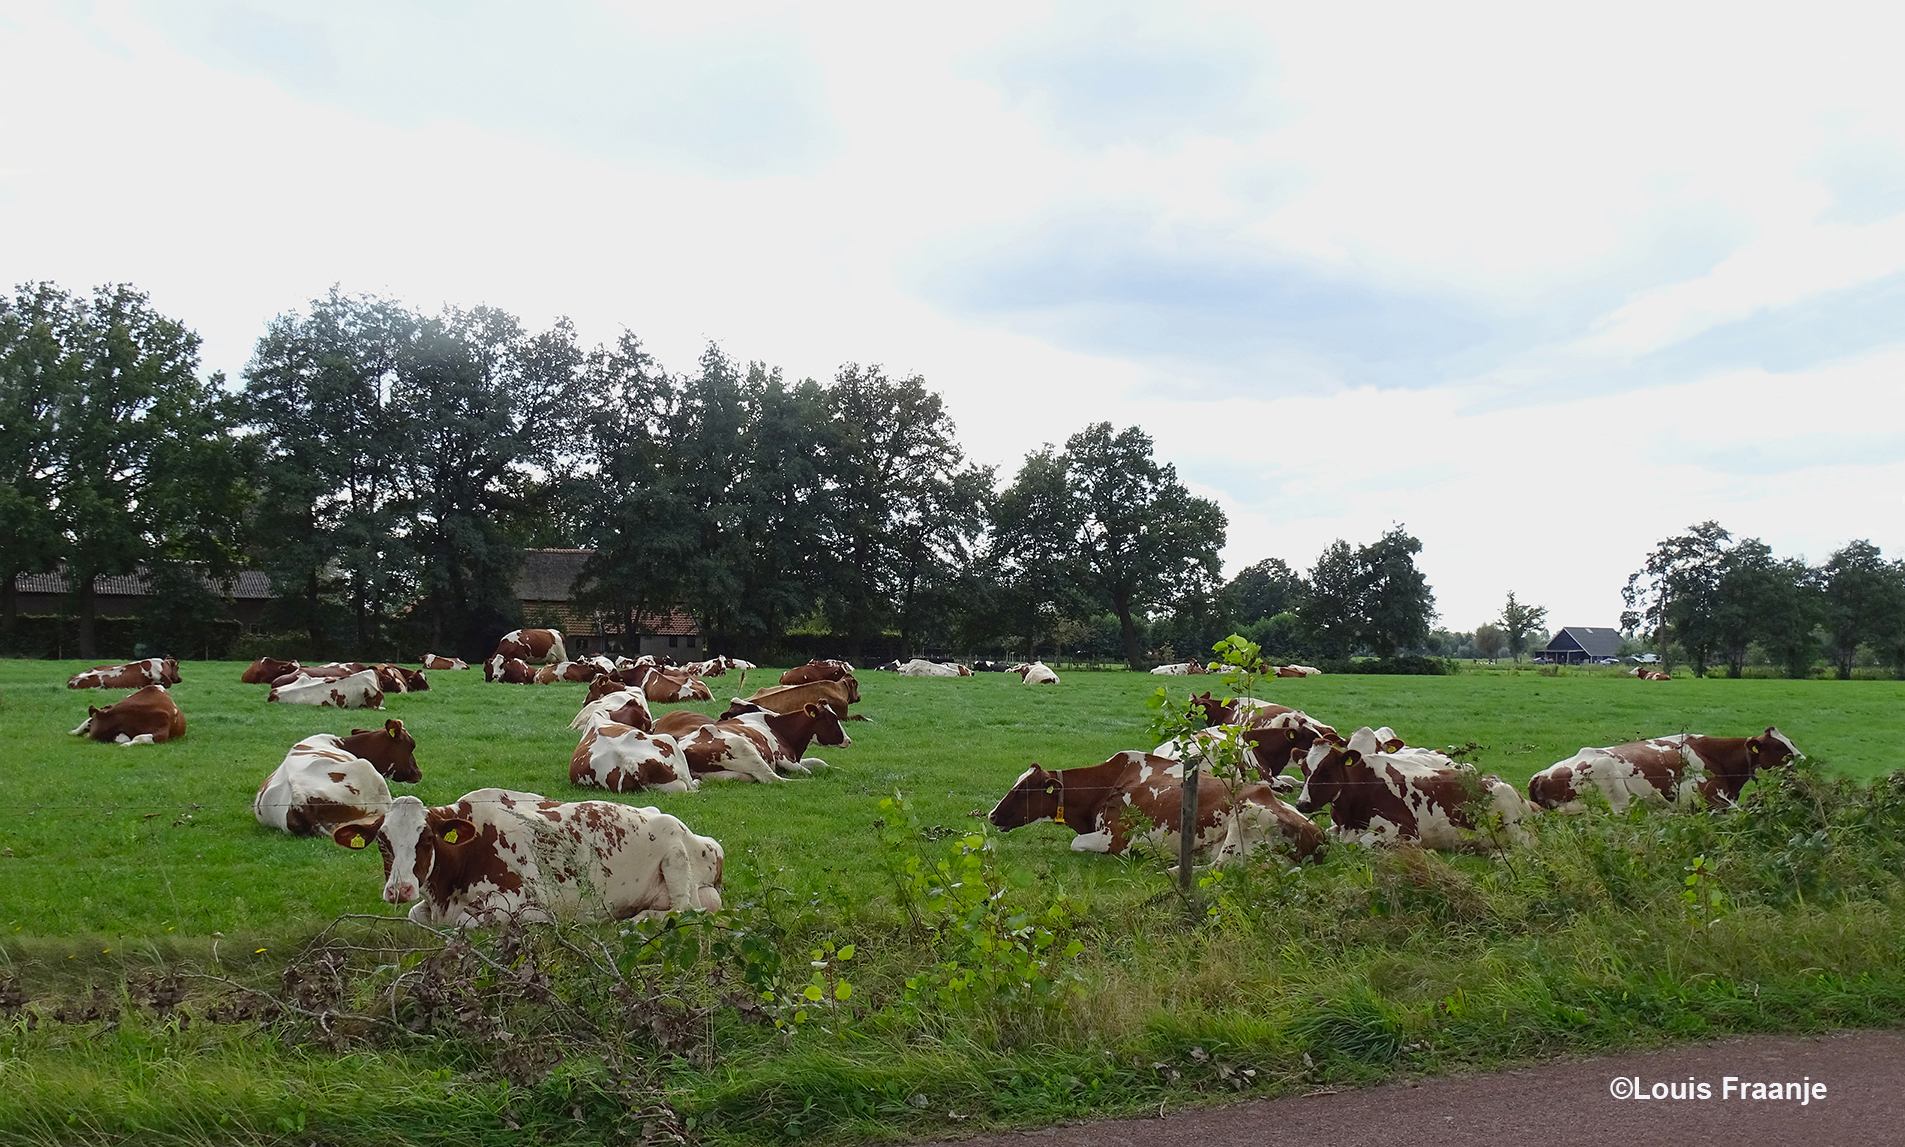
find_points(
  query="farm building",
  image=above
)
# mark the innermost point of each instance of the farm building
(1578, 643)
(120, 595)
(546, 586)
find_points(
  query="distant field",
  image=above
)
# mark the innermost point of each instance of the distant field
(146, 842)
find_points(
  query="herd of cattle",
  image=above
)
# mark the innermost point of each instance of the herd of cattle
(498, 853)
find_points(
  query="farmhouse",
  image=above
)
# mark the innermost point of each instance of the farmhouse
(1578, 643)
(120, 595)
(546, 586)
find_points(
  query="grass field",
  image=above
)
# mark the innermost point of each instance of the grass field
(156, 841)
(125, 867)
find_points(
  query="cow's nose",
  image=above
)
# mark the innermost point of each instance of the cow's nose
(400, 893)
(845, 740)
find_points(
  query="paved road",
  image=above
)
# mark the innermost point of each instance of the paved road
(1563, 1105)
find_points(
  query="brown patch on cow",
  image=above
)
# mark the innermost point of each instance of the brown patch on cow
(151, 710)
(680, 723)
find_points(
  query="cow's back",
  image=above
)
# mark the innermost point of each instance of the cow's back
(319, 785)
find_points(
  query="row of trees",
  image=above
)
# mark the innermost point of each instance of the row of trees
(386, 468)
(1712, 599)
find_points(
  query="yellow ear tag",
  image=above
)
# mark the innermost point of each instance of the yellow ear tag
(1059, 816)
(392, 732)
(449, 837)
(357, 842)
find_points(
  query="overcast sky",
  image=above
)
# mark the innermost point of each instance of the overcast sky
(1543, 283)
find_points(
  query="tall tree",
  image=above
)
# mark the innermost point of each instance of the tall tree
(33, 375)
(1262, 590)
(1789, 616)
(1753, 590)
(642, 540)
(1397, 603)
(1517, 621)
(889, 459)
(1677, 593)
(138, 477)
(780, 498)
(1331, 611)
(1490, 640)
(1145, 539)
(482, 403)
(1033, 554)
(320, 394)
(1858, 600)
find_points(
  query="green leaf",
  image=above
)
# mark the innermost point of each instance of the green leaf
(813, 992)
(842, 990)
(846, 952)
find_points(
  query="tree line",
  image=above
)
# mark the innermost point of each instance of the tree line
(386, 469)
(1712, 600)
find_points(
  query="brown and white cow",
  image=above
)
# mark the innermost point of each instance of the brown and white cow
(1093, 803)
(498, 855)
(327, 780)
(759, 745)
(148, 717)
(1661, 770)
(436, 661)
(920, 667)
(1298, 671)
(331, 672)
(1180, 669)
(267, 669)
(662, 686)
(508, 671)
(623, 759)
(788, 698)
(536, 646)
(1035, 673)
(132, 675)
(680, 723)
(817, 670)
(1375, 797)
(357, 691)
(568, 671)
(1646, 674)
(397, 679)
(624, 706)
(1235, 710)
(719, 665)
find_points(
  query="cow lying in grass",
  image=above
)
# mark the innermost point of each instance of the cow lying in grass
(356, 691)
(1035, 673)
(624, 759)
(498, 855)
(1099, 802)
(327, 780)
(1661, 770)
(132, 675)
(1379, 797)
(758, 745)
(268, 669)
(624, 706)
(436, 661)
(148, 717)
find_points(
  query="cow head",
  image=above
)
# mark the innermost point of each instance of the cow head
(1328, 770)
(409, 836)
(827, 730)
(1770, 750)
(1037, 795)
(391, 749)
(1215, 712)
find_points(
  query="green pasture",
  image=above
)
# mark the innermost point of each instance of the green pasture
(103, 841)
(126, 873)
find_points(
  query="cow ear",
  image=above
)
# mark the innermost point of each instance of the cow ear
(393, 727)
(811, 709)
(456, 831)
(358, 835)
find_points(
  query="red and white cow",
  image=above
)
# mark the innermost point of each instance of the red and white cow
(435, 661)
(1375, 797)
(357, 691)
(1092, 802)
(536, 646)
(623, 759)
(568, 671)
(498, 855)
(397, 679)
(132, 675)
(661, 686)
(267, 669)
(787, 698)
(817, 671)
(759, 745)
(1646, 674)
(624, 706)
(1036, 673)
(680, 723)
(148, 717)
(718, 666)
(1661, 770)
(327, 780)
(508, 670)
(1180, 669)
(1236, 710)
(1298, 671)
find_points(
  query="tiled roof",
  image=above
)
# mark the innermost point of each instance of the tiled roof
(676, 623)
(249, 585)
